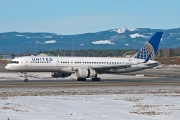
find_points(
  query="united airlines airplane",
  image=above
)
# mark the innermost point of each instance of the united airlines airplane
(88, 67)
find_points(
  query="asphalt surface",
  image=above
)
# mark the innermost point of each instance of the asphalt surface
(160, 76)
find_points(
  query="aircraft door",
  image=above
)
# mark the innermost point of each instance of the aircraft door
(57, 63)
(26, 62)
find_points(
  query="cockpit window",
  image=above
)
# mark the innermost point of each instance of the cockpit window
(14, 62)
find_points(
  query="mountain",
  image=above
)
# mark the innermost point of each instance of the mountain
(122, 38)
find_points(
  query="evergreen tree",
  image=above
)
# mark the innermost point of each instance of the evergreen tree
(171, 52)
(12, 55)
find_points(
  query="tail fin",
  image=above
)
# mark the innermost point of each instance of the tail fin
(150, 47)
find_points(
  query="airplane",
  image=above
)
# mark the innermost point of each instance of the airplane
(88, 67)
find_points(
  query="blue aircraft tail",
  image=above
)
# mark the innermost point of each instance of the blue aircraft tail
(150, 47)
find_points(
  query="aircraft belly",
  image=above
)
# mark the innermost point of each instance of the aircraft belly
(67, 69)
(37, 68)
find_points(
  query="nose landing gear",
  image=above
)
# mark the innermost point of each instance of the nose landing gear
(25, 76)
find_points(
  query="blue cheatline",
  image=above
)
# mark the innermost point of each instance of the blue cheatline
(150, 47)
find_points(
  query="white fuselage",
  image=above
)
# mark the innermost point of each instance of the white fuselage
(67, 64)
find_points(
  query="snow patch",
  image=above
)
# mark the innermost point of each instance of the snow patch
(50, 41)
(122, 30)
(138, 35)
(31, 37)
(47, 36)
(126, 44)
(131, 29)
(103, 42)
(97, 107)
(19, 35)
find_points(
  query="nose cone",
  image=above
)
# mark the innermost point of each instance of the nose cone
(7, 67)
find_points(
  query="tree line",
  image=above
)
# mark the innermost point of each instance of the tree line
(161, 53)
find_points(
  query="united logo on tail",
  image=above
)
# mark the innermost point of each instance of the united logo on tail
(150, 48)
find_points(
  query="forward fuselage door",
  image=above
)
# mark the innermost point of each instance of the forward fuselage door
(26, 62)
(58, 62)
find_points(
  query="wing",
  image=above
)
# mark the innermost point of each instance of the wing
(101, 69)
(105, 68)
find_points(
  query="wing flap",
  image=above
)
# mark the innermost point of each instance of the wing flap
(105, 68)
(109, 67)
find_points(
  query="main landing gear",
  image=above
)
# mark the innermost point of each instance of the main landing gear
(96, 79)
(26, 80)
(93, 79)
(81, 79)
(25, 76)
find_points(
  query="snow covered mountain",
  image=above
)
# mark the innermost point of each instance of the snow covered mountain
(122, 38)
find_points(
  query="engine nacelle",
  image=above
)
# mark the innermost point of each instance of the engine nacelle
(86, 73)
(60, 74)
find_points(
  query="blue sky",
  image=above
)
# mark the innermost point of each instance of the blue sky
(82, 16)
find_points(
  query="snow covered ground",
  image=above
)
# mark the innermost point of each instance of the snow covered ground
(130, 102)
(91, 103)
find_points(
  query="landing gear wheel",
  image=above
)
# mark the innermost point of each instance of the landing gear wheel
(25, 76)
(81, 79)
(96, 79)
(26, 80)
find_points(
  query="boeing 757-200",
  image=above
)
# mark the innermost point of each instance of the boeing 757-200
(88, 67)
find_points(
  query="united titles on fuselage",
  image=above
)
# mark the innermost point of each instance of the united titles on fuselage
(42, 59)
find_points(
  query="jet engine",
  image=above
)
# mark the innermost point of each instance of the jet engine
(60, 74)
(86, 73)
